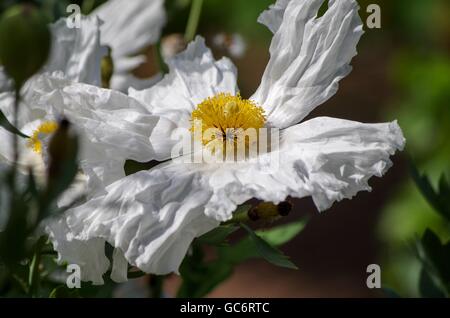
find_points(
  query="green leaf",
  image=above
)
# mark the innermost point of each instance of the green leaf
(439, 201)
(199, 281)
(390, 293)
(4, 122)
(276, 236)
(200, 277)
(34, 276)
(435, 258)
(427, 287)
(218, 235)
(268, 252)
(63, 292)
(283, 233)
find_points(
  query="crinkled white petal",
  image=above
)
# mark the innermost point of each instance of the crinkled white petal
(123, 81)
(76, 51)
(309, 55)
(119, 271)
(194, 75)
(153, 216)
(89, 255)
(326, 158)
(273, 17)
(114, 126)
(5, 82)
(27, 113)
(129, 27)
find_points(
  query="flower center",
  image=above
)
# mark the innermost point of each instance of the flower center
(226, 119)
(44, 129)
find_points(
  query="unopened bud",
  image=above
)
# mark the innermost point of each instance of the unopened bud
(24, 42)
(284, 208)
(107, 69)
(62, 148)
(269, 211)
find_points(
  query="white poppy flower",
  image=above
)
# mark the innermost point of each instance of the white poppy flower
(128, 28)
(151, 217)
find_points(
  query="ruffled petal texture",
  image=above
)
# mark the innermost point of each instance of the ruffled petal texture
(326, 158)
(114, 126)
(194, 75)
(152, 216)
(76, 51)
(308, 56)
(129, 27)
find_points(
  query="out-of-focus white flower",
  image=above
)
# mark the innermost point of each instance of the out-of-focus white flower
(128, 28)
(74, 52)
(172, 44)
(75, 57)
(151, 217)
(234, 44)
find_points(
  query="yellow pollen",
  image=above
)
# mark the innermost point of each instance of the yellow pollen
(46, 128)
(227, 116)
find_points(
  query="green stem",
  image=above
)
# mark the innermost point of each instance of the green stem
(194, 17)
(16, 124)
(163, 68)
(34, 276)
(15, 146)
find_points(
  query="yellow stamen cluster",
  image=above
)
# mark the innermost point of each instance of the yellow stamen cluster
(46, 128)
(227, 115)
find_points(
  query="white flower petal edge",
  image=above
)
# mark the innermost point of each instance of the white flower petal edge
(5, 83)
(309, 55)
(115, 126)
(122, 82)
(89, 255)
(129, 26)
(76, 51)
(193, 76)
(154, 235)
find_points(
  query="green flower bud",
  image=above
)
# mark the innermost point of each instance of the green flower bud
(107, 69)
(24, 42)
